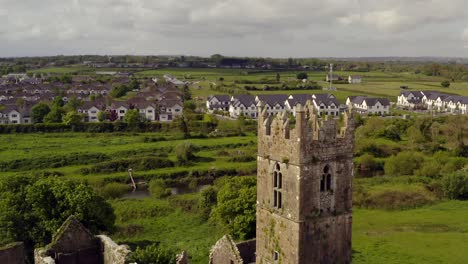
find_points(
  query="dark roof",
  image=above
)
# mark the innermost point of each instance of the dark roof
(244, 99)
(296, 99)
(326, 99)
(369, 100)
(415, 93)
(273, 99)
(220, 97)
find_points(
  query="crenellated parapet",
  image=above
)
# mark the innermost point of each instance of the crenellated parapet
(281, 140)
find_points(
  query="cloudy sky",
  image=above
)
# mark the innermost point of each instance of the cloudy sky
(274, 28)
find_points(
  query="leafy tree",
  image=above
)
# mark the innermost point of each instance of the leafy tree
(185, 152)
(186, 94)
(39, 111)
(133, 118)
(236, 207)
(153, 254)
(54, 116)
(182, 123)
(278, 77)
(302, 76)
(102, 116)
(120, 90)
(32, 210)
(455, 185)
(72, 118)
(73, 104)
(190, 106)
(404, 163)
(445, 84)
(57, 102)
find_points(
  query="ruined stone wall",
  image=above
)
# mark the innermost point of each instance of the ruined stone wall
(314, 225)
(225, 252)
(41, 257)
(289, 190)
(113, 253)
(326, 240)
(276, 234)
(13, 253)
(182, 258)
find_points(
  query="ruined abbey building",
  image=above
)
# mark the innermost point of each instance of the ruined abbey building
(304, 194)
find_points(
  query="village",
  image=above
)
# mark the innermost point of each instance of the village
(162, 99)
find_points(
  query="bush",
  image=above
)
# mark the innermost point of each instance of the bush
(236, 207)
(392, 199)
(455, 185)
(404, 163)
(114, 190)
(185, 152)
(445, 84)
(153, 254)
(158, 188)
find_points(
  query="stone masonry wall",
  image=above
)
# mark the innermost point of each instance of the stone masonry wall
(225, 252)
(313, 225)
(113, 253)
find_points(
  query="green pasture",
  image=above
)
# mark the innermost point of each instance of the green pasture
(432, 234)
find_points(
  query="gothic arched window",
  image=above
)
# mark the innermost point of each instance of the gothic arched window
(277, 187)
(326, 181)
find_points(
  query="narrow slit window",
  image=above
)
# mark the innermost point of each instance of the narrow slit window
(277, 187)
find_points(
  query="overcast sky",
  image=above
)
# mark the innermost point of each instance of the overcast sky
(274, 28)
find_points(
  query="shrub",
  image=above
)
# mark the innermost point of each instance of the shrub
(392, 199)
(445, 84)
(207, 199)
(404, 163)
(158, 188)
(367, 165)
(185, 152)
(455, 185)
(114, 190)
(153, 254)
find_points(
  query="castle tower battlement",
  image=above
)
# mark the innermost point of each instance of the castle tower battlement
(304, 193)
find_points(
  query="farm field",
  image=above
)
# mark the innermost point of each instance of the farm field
(381, 84)
(434, 233)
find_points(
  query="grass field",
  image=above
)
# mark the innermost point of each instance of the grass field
(432, 234)
(377, 84)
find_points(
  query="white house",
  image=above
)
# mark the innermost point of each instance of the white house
(366, 105)
(410, 99)
(218, 102)
(324, 104)
(243, 105)
(170, 109)
(354, 79)
(274, 103)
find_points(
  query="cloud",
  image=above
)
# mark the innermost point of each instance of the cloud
(256, 27)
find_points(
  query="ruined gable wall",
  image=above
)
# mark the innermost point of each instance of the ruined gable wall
(225, 252)
(113, 253)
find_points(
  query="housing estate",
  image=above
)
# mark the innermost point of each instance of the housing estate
(154, 102)
(368, 105)
(434, 101)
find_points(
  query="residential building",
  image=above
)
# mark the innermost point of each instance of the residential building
(243, 105)
(367, 105)
(354, 79)
(218, 102)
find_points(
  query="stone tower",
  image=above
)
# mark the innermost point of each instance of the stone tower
(304, 197)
